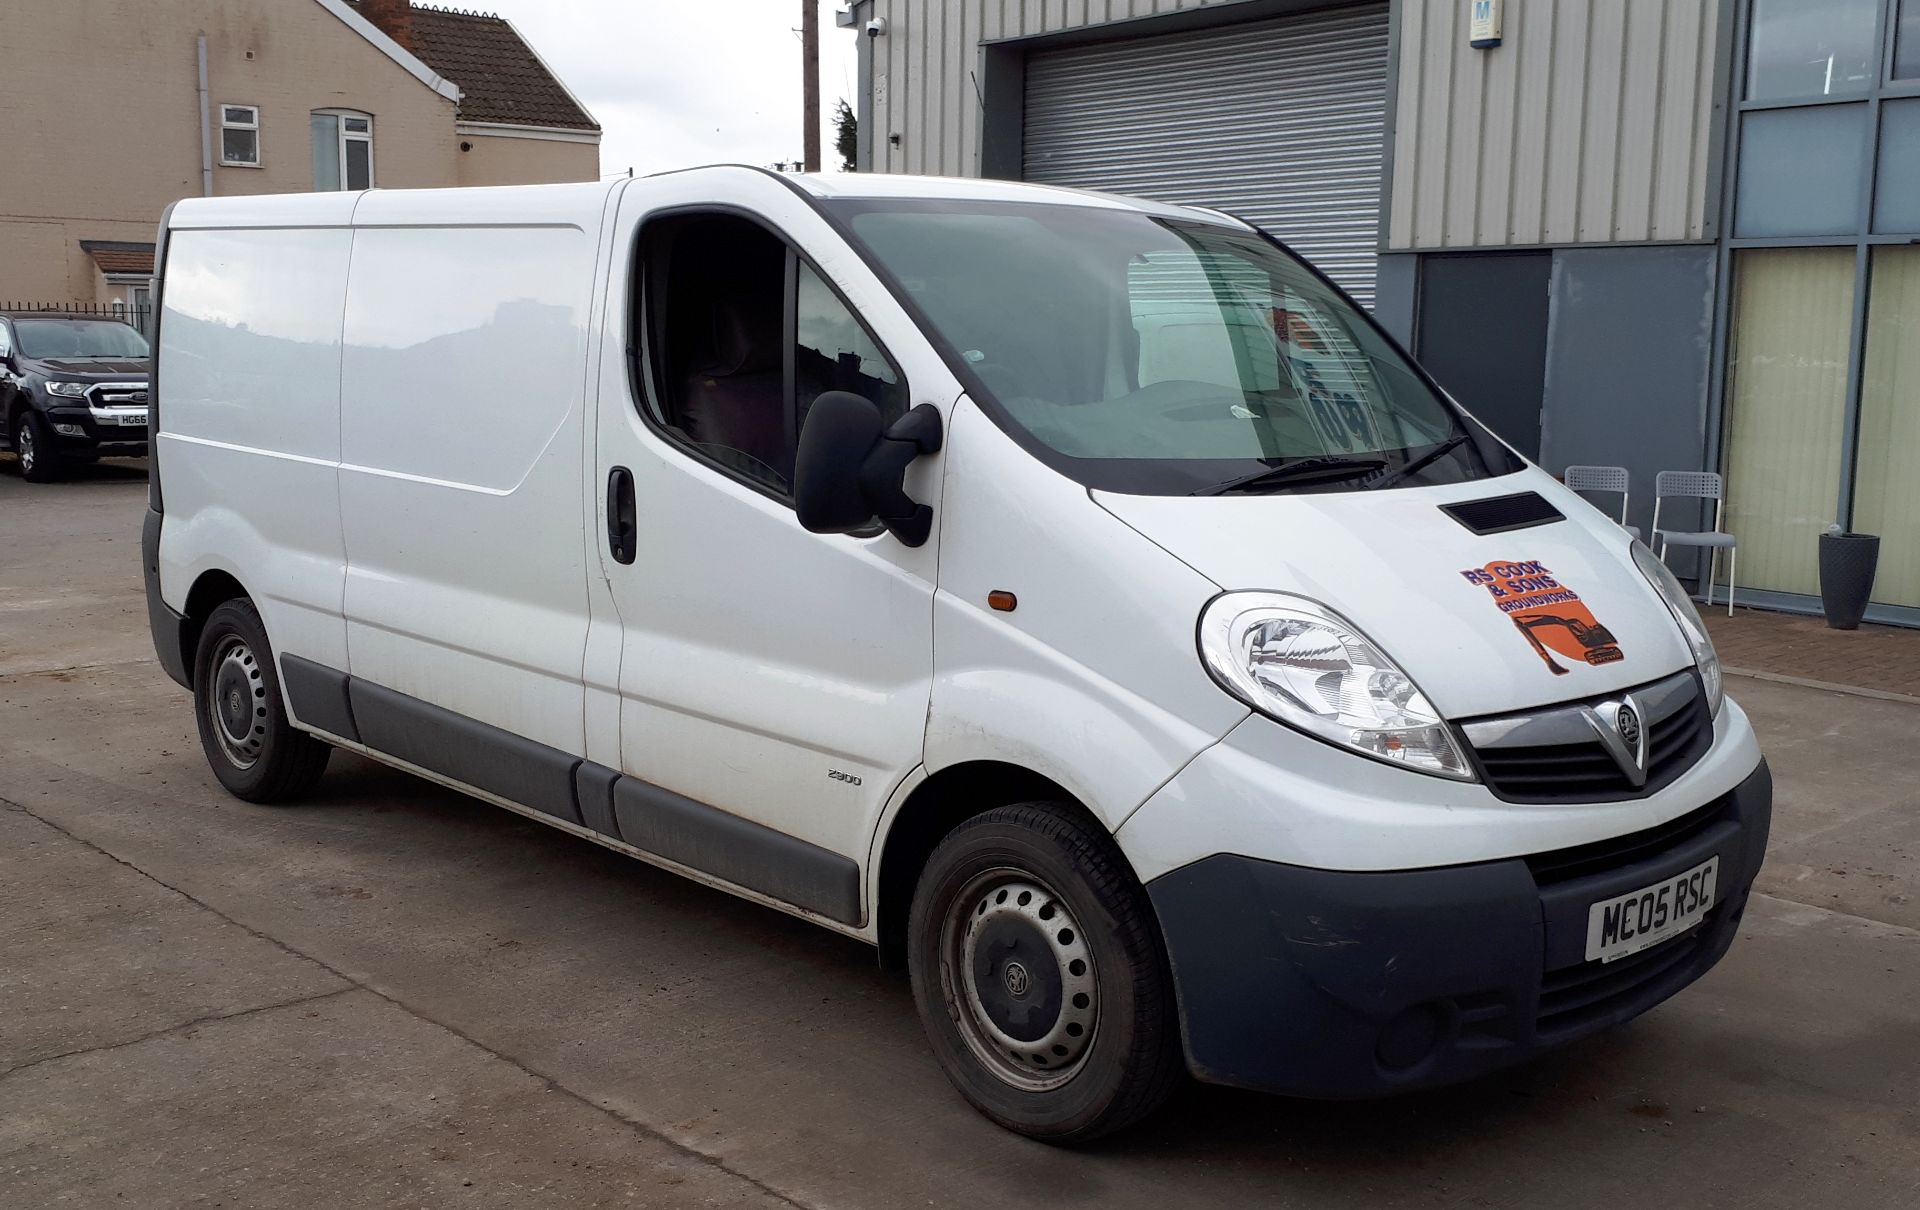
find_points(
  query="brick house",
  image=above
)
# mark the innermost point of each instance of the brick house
(115, 108)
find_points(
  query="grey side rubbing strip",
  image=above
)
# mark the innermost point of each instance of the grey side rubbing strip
(579, 791)
(318, 695)
(499, 762)
(593, 789)
(737, 850)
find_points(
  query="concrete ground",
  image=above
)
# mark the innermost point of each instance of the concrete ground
(396, 996)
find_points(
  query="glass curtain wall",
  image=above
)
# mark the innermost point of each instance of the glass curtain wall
(1886, 497)
(1787, 390)
(1821, 421)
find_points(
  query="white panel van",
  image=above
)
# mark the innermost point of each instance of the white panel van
(1077, 598)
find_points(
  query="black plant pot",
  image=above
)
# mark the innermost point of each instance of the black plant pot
(1847, 564)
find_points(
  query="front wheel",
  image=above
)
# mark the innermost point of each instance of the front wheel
(254, 749)
(1040, 975)
(40, 460)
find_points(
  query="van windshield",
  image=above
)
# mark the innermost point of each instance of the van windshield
(1155, 356)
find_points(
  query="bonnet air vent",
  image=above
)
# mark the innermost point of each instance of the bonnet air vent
(1498, 514)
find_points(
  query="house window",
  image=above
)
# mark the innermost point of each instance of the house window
(240, 136)
(342, 149)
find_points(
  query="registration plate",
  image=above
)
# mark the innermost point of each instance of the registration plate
(1632, 922)
(125, 418)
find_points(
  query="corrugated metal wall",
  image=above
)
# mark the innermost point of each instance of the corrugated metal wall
(1280, 122)
(1591, 123)
(923, 69)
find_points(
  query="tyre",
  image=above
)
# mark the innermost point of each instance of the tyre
(1040, 975)
(255, 752)
(40, 460)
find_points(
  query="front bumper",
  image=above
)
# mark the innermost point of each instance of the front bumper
(96, 435)
(1335, 984)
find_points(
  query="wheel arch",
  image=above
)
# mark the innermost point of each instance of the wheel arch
(213, 587)
(934, 808)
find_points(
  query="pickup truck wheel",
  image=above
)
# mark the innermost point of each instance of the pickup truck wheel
(40, 460)
(1040, 975)
(254, 750)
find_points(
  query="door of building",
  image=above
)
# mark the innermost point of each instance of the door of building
(1483, 334)
(1282, 123)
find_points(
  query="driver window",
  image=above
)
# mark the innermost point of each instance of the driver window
(715, 287)
(742, 337)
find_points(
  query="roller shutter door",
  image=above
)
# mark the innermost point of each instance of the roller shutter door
(1280, 122)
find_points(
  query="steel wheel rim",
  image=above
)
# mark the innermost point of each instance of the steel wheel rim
(23, 446)
(1007, 918)
(237, 702)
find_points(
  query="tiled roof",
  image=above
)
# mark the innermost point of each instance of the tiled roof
(119, 256)
(501, 79)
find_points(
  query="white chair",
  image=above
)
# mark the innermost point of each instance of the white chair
(1603, 479)
(1697, 485)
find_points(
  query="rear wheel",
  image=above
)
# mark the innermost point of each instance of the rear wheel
(255, 751)
(1040, 975)
(40, 460)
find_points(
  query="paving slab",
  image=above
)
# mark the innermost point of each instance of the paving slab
(93, 953)
(1846, 832)
(341, 1101)
(780, 1051)
(70, 587)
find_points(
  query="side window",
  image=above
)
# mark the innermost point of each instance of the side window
(833, 351)
(739, 337)
(6, 341)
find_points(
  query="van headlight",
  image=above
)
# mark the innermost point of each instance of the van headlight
(1680, 605)
(72, 390)
(1304, 665)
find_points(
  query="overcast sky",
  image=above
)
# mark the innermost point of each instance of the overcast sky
(676, 83)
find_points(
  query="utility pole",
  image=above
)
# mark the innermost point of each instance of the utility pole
(810, 79)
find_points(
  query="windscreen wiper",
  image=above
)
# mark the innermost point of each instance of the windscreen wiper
(1323, 469)
(1427, 459)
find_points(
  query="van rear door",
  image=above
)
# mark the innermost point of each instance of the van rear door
(768, 675)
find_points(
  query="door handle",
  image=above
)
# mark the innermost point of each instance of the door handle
(622, 532)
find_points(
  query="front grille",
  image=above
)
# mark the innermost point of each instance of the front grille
(1578, 995)
(1564, 865)
(118, 394)
(1572, 764)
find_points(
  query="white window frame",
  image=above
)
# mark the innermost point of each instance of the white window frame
(227, 123)
(343, 136)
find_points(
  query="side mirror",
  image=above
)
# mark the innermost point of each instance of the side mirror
(851, 470)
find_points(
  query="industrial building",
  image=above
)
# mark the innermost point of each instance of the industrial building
(1658, 234)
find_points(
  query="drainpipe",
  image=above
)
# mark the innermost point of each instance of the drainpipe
(206, 126)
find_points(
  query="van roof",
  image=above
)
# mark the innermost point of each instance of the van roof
(582, 202)
(899, 185)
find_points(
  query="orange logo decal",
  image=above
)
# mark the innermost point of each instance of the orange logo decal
(1547, 612)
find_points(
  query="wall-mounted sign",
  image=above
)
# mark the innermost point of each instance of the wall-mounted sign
(1483, 27)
